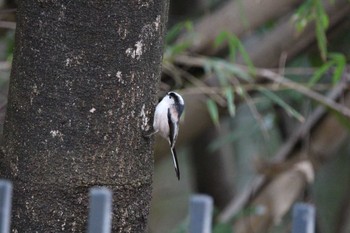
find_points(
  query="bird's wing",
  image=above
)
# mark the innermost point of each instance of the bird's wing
(172, 140)
(172, 128)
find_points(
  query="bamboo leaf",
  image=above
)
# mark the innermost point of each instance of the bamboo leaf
(324, 20)
(220, 39)
(345, 121)
(177, 48)
(318, 73)
(321, 40)
(189, 26)
(235, 70)
(174, 31)
(182, 227)
(213, 111)
(340, 63)
(303, 16)
(208, 66)
(220, 73)
(246, 58)
(231, 137)
(233, 42)
(276, 99)
(230, 101)
(313, 10)
(300, 25)
(222, 228)
(321, 20)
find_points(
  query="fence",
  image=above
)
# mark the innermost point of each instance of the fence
(201, 209)
(99, 213)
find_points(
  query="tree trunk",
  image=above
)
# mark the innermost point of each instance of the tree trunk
(82, 93)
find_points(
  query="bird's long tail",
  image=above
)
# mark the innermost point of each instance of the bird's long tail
(176, 164)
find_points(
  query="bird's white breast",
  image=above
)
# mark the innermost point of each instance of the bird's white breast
(160, 122)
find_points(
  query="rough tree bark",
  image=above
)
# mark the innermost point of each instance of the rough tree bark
(82, 91)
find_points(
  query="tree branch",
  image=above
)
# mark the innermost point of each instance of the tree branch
(236, 17)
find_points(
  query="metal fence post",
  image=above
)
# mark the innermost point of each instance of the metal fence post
(201, 208)
(100, 214)
(5, 205)
(303, 218)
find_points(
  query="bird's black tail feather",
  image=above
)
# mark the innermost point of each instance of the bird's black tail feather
(176, 164)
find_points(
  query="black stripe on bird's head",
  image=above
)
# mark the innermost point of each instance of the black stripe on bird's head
(178, 101)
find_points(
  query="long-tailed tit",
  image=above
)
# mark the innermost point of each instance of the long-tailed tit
(166, 122)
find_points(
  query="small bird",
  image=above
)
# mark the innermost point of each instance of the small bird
(166, 122)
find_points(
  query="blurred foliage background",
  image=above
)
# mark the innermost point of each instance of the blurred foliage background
(266, 85)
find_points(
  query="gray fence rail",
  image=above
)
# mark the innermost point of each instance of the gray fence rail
(100, 210)
(303, 218)
(5, 205)
(201, 212)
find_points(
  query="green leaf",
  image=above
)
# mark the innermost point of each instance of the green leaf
(182, 227)
(313, 10)
(318, 73)
(246, 58)
(240, 91)
(340, 63)
(345, 121)
(221, 73)
(236, 70)
(324, 20)
(303, 16)
(221, 38)
(336, 60)
(275, 98)
(174, 31)
(213, 111)
(232, 137)
(233, 42)
(177, 48)
(321, 20)
(321, 40)
(223, 228)
(230, 101)
(189, 26)
(208, 66)
(234, 45)
(320, 15)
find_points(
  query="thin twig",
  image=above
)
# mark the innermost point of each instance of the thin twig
(174, 70)
(7, 25)
(8, 11)
(275, 78)
(249, 87)
(195, 81)
(5, 66)
(200, 61)
(252, 108)
(303, 129)
(305, 91)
